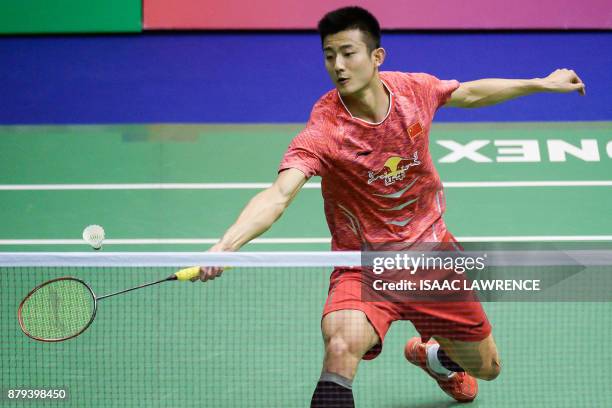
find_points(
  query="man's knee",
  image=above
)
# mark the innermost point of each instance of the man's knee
(477, 359)
(342, 355)
(490, 371)
(347, 333)
(339, 346)
(485, 367)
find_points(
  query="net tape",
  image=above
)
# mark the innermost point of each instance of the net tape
(286, 259)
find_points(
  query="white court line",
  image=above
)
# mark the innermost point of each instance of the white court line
(257, 186)
(487, 184)
(268, 241)
(536, 238)
(145, 186)
(155, 241)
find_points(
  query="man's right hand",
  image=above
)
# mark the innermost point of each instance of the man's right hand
(210, 272)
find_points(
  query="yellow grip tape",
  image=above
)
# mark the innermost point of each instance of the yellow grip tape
(190, 273)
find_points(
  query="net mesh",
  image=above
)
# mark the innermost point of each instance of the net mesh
(252, 339)
(57, 310)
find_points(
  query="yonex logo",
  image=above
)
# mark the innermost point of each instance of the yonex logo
(525, 150)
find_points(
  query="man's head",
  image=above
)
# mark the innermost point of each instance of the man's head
(351, 46)
(351, 18)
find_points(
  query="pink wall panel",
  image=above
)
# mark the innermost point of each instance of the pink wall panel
(404, 14)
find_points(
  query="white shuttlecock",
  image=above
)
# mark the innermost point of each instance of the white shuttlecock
(94, 236)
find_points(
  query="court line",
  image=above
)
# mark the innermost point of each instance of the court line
(145, 186)
(252, 186)
(488, 184)
(268, 241)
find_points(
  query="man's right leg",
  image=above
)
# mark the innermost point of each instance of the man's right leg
(348, 335)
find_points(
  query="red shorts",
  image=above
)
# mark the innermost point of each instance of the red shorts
(463, 321)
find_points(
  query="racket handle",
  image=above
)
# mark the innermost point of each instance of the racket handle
(190, 273)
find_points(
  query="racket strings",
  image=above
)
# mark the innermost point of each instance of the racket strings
(58, 310)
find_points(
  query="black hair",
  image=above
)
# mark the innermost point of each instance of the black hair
(348, 18)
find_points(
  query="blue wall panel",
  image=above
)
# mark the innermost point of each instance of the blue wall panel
(274, 77)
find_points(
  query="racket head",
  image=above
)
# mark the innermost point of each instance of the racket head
(57, 310)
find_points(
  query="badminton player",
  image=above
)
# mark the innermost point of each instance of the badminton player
(368, 140)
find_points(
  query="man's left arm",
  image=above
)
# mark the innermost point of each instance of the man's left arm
(486, 92)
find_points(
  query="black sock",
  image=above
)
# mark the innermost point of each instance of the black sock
(448, 363)
(333, 391)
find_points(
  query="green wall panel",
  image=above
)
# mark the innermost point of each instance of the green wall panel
(69, 16)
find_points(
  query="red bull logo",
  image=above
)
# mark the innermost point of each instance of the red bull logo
(394, 169)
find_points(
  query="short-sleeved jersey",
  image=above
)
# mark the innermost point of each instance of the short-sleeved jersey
(379, 183)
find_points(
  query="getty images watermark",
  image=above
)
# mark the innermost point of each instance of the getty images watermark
(413, 263)
(486, 272)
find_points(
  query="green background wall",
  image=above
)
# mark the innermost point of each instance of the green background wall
(70, 16)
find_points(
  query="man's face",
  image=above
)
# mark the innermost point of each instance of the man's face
(348, 62)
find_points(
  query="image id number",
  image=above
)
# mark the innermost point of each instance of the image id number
(36, 394)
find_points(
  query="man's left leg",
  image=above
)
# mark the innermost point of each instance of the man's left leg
(479, 359)
(455, 365)
(463, 349)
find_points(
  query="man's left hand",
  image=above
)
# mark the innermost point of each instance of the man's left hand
(564, 80)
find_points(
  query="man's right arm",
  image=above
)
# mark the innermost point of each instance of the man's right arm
(258, 216)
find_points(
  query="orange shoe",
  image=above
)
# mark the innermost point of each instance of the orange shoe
(460, 386)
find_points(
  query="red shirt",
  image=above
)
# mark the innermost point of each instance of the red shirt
(379, 183)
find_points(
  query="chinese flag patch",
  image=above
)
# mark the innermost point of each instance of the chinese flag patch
(415, 129)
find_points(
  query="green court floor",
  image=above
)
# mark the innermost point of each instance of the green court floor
(222, 154)
(253, 340)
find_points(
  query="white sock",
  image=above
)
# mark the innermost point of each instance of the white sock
(434, 364)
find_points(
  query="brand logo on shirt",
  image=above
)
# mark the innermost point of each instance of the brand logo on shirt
(394, 169)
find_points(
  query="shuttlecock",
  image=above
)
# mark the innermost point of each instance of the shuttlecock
(94, 236)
